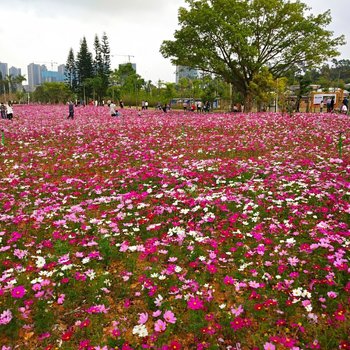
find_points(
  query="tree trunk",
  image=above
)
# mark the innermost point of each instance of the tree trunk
(248, 102)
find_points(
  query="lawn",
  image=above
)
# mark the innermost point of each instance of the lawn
(174, 230)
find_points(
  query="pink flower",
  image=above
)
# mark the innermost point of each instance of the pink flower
(143, 317)
(97, 309)
(6, 317)
(332, 295)
(269, 346)
(61, 298)
(160, 326)
(169, 317)
(18, 292)
(237, 311)
(195, 303)
(156, 313)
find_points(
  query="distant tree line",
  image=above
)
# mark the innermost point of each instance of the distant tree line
(249, 51)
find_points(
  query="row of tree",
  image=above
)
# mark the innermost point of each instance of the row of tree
(88, 75)
(247, 49)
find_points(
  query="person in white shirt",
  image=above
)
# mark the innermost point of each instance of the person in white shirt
(9, 111)
(344, 109)
(112, 109)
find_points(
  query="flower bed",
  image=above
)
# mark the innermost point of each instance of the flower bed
(174, 231)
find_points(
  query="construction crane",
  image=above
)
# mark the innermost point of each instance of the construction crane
(128, 56)
(51, 62)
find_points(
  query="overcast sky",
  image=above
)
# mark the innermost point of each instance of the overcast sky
(43, 31)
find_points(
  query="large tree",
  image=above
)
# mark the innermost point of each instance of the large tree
(106, 57)
(236, 39)
(85, 69)
(70, 71)
(102, 66)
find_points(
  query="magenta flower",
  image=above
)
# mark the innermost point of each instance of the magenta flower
(169, 317)
(18, 292)
(211, 268)
(229, 280)
(239, 323)
(195, 303)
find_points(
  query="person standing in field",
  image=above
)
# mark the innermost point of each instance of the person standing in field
(3, 111)
(9, 111)
(321, 106)
(70, 110)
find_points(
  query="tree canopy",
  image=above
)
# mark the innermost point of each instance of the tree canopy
(236, 39)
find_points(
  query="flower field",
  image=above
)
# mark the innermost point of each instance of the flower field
(174, 231)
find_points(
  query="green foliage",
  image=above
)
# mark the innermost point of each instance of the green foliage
(70, 71)
(261, 87)
(53, 92)
(234, 39)
(84, 69)
(44, 317)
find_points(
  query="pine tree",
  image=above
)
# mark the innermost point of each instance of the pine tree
(106, 59)
(98, 61)
(85, 69)
(70, 71)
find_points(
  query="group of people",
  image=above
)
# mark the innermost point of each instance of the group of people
(6, 110)
(330, 103)
(198, 106)
(144, 105)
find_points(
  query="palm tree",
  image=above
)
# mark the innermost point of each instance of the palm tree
(18, 80)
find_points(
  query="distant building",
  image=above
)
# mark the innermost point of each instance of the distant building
(34, 76)
(3, 69)
(49, 76)
(38, 74)
(15, 71)
(185, 72)
(61, 69)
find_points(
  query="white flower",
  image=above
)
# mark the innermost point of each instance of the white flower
(178, 269)
(40, 262)
(140, 330)
(158, 300)
(85, 260)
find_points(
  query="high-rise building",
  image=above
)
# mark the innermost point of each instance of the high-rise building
(51, 76)
(3, 69)
(185, 72)
(14, 71)
(34, 75)
(61, 69)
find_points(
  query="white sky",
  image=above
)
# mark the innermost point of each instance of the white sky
(43, 31)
